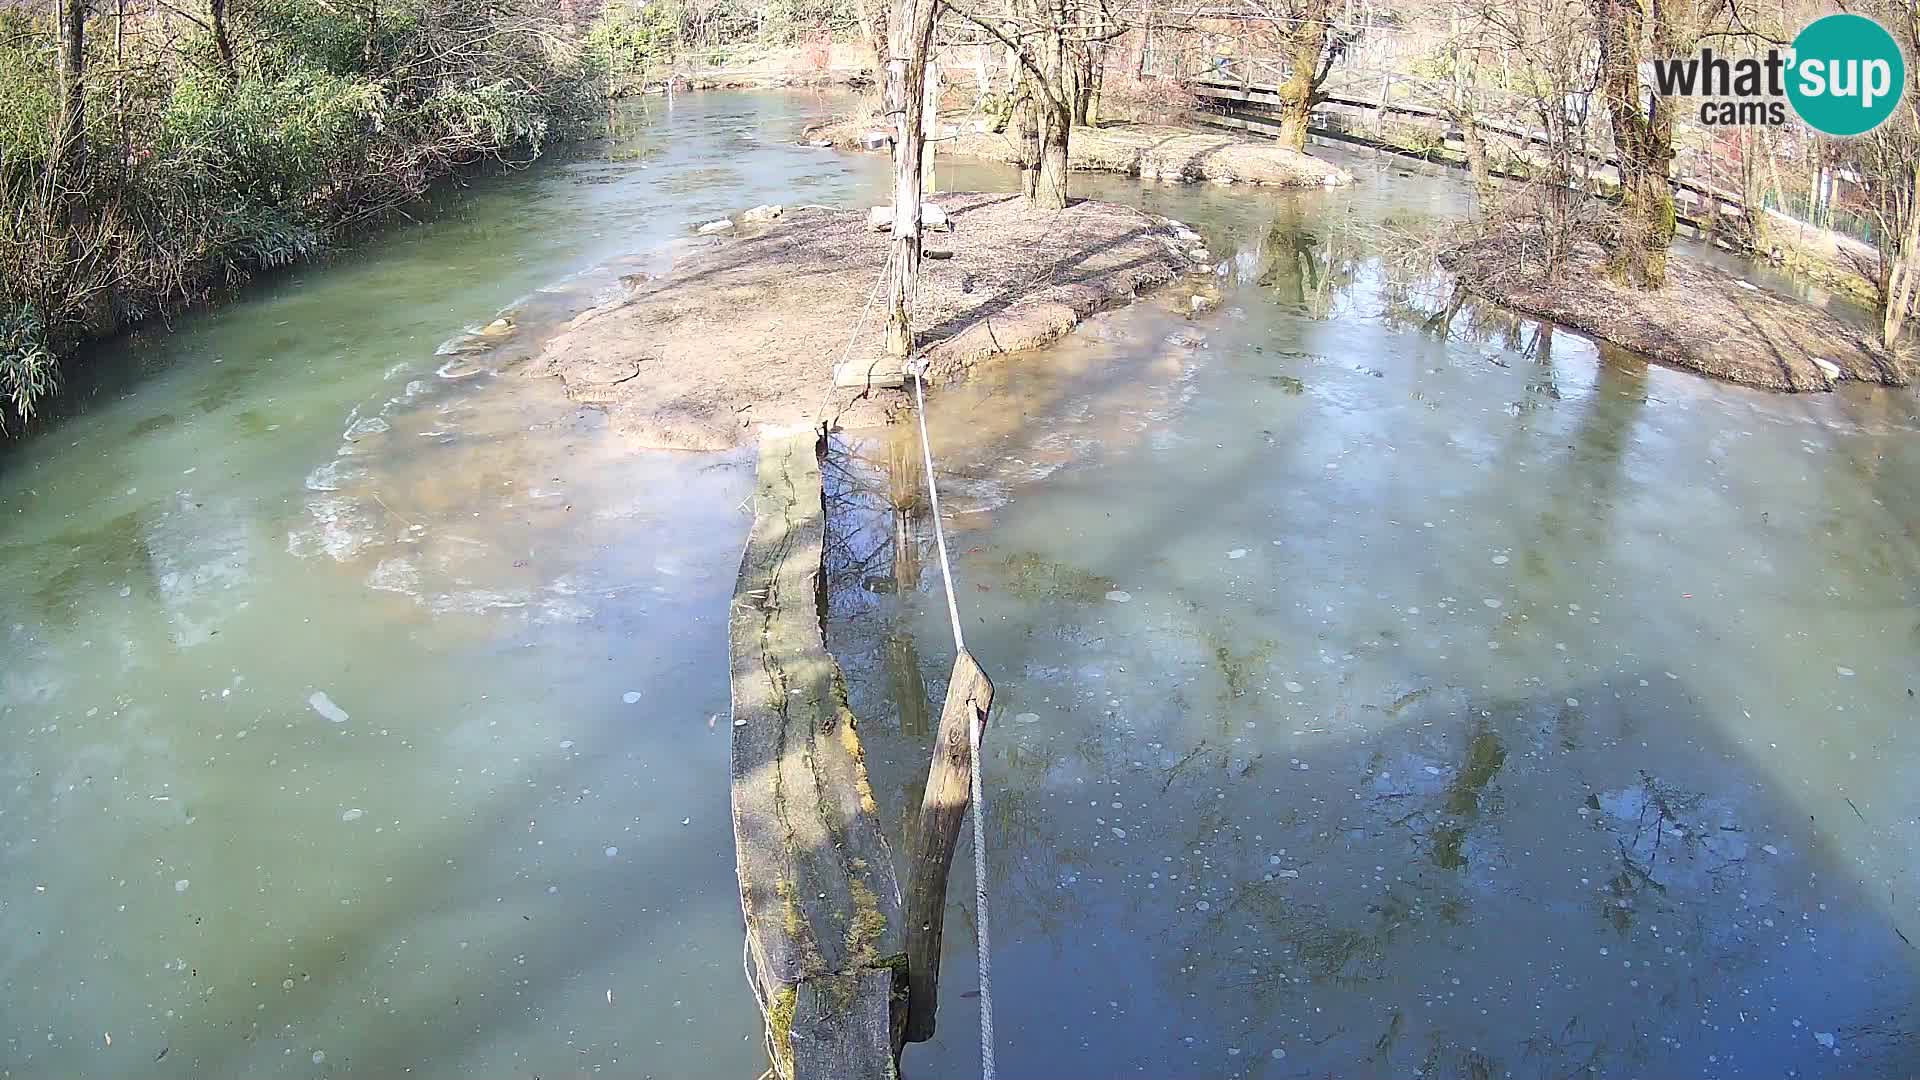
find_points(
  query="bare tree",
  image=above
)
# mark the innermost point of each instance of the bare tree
(1889, 157)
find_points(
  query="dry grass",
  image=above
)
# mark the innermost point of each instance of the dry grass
(1703, 318)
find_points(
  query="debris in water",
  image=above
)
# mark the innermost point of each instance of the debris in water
(1824, 1038)
(1845, 672)
(1491, 602)
(1499, 560)
(1119, 596)
(319, 1056)
(1203, 905)
(181, 885)
(630, 697)
(1026, 718)
(1769, 849)
(324, 705)
(613, 852)
(1237, 553)
(1293, 687)
(354, 814)
(566, 744)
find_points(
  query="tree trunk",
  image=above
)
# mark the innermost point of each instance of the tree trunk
(1643, 142)
(69, 151)
(907, 98)
(1898, 295)
(1477, 158)
(874, 17)
(223, 41)
(1026, 133)
(1050, 188)
(1307, 41)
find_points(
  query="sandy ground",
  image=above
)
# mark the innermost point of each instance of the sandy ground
(1703, 318)
(1150, 151)
(745, 331)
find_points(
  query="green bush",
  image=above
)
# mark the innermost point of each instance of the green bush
(194, 176)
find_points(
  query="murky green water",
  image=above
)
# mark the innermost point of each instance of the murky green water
(1384, 695)
(358, 701)
(1375, 699)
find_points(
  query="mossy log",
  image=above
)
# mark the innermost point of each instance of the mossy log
(817, 887)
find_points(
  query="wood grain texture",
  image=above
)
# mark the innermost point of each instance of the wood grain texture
(817, 888)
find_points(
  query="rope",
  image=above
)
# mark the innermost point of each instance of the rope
(859, 324)
(984, 941)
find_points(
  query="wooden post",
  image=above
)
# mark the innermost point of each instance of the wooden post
(935, 833)
(907, 75)
(929, 125)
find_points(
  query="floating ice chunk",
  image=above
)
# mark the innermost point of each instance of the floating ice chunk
(1119, 596)
(630, 697)
(354, 814)
(1293, 687)
(181, 885)
(363, 427)
(613, 852)
(1237, 553)
(324, 705)
(1845, 672)
(1824, 1038)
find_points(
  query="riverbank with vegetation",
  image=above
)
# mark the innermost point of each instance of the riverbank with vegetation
(1700, 318)
(150, 158)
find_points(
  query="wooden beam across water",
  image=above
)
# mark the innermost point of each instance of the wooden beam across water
(817, 886)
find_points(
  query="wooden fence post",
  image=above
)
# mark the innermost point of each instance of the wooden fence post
(935, 833)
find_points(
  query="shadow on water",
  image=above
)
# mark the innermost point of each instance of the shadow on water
(1389, 685)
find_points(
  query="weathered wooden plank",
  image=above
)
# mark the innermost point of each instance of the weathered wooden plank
(935, 832)
(842, 1027)
(816, 880)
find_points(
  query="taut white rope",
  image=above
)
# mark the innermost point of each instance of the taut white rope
(985, 941)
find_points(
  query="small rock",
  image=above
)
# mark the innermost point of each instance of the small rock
(763, 213)
(932, 218)
(712, 227)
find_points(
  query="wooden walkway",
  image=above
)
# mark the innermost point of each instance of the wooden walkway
(825, 945)
(1238, 102)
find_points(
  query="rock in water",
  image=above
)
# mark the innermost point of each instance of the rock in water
(712, 227)
(764, 212)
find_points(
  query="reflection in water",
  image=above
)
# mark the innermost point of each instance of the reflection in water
(1389, 685)
(360, 696)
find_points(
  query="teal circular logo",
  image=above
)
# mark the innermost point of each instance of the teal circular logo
(1846, 74)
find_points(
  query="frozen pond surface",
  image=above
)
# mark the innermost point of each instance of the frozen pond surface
(1388, 694)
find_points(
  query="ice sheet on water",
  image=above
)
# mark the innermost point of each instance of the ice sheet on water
(324, 705)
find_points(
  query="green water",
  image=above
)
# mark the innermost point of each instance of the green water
(364, 699)
(1384, 695)
(511, 855)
